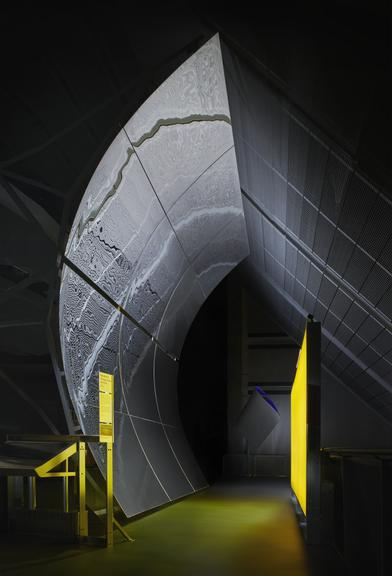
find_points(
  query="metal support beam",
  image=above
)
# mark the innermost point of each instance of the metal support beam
(19, 324)
(43, 471)
(14, 194)
(28, 180)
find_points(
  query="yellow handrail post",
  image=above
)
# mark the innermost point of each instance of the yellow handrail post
(106, 435)
(66, 488)
(83, 526)
(109, 494)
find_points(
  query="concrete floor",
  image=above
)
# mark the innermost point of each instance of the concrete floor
(234, 528)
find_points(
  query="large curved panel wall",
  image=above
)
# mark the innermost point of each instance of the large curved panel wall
(319, 233)
(160, 224)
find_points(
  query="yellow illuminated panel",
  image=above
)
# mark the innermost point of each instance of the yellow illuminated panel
(106, 391)
(299, 429)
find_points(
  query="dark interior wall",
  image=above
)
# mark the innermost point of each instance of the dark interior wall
(272, 358)
(32, 406)
(278, 441)
(259, 354)
(347, 421)
(202, 384)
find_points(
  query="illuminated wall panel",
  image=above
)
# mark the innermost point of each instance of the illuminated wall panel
(299, 448)
(160, 224)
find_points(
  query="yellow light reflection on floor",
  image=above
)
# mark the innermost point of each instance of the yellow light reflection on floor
(299, 429)
(236, 528)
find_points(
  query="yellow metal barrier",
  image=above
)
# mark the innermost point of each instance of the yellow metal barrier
(78, 446)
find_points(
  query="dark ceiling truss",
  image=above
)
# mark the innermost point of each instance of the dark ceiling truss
(54, 141)
(12, 171)
(55, 138)
(27, 398)
(14, 195)
(20, 289)
(19, 323)
(15, 177)
(321, 129)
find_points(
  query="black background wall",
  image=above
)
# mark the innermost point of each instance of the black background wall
(202, 384)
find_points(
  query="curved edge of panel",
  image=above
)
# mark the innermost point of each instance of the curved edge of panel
(159, 226)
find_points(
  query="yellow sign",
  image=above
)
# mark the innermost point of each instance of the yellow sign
(299, 417)
(106, 407)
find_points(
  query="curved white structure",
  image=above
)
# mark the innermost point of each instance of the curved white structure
(160, 224)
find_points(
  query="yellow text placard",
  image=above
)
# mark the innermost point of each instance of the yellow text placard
(106, 407)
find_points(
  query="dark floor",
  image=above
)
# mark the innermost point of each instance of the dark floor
(245, 528)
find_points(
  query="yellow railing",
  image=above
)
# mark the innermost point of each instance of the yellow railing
(48, 470)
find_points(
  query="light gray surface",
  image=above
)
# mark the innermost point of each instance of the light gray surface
(160, 224)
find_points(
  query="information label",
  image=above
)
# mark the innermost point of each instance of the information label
(106, 406)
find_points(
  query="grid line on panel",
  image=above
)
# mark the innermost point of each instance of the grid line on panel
(279, 89)
(337, 287)
(335, 226)
(199, 176)
(167, 217)
(118, 307)
(363, 369)
(306, 200)
(163, 427)
(304, 263)
(355, 244)
(316, 260)
(255, 233)
(365, 318)
(219, 231)
(383, 356)
(316, 207)
(375, 233)
(143, 418)
(135, 431)
(335, 342)
(331, 373)
(330, 311)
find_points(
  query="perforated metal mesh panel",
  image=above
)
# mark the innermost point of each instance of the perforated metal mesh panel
(161, 223)
(320, 234)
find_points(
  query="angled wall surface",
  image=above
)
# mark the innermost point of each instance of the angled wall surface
(160, 224)
(319, 233)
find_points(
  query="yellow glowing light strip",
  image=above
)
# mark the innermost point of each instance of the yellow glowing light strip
(299, 428)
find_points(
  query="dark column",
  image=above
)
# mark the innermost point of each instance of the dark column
(314, 462)
(3, 504)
